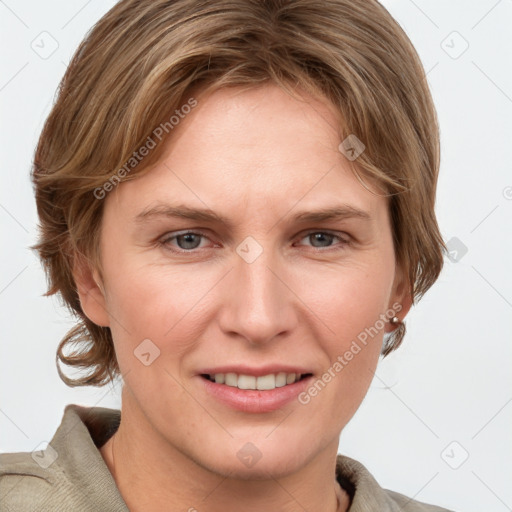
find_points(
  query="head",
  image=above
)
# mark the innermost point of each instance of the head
(245, 109)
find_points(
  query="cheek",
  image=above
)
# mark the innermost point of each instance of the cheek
(347, 300)
(350, 303)
(166, 305)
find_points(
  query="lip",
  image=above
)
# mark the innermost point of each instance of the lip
(257, 372)
(253, 400)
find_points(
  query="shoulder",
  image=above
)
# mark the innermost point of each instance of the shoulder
(69, 474)
(407, 504)
(366, 493)
(25, 482)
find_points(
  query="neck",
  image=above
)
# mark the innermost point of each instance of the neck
(151, 474)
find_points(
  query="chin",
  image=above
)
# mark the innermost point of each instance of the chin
(256, 459)
(261, 470)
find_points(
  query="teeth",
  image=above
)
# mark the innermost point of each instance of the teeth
(231, 380)
(265, 382)
(246, 382)
(280, 380)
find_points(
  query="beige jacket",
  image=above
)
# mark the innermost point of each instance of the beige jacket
(71, 475)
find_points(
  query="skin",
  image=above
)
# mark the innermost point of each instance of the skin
(256, 157)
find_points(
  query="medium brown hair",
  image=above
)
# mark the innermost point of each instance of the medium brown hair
(138, 65)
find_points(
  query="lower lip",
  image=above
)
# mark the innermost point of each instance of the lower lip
(254, 400)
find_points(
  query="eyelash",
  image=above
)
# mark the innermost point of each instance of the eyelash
(165, 242)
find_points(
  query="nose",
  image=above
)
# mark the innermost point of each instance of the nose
(258, 303)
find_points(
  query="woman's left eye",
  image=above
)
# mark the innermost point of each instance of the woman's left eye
(325, 239)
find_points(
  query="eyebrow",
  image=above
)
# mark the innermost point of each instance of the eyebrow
(334, 213)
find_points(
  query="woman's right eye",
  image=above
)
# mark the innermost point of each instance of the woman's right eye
(186, 242)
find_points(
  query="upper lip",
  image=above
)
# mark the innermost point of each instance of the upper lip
(256, 371)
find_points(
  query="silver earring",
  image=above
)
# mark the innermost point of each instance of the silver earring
(395, 320)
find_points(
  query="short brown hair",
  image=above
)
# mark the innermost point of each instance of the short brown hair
(139, 63)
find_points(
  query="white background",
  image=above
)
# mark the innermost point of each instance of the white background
(447, 393)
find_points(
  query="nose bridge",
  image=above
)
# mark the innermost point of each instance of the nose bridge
(258, 307)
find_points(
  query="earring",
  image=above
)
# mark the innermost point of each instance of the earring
(395, 320)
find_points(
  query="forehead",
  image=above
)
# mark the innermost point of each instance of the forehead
(254, 151)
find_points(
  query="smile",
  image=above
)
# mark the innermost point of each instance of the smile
(261, 383)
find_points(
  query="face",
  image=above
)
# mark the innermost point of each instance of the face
(249, 286)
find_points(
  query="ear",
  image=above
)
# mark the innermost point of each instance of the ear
(91, 292)
(400, 299)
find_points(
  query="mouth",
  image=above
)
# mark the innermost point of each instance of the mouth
(252, 382)
(251, 389)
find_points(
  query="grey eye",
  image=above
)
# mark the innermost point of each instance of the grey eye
(323, 239)
(189, 240)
